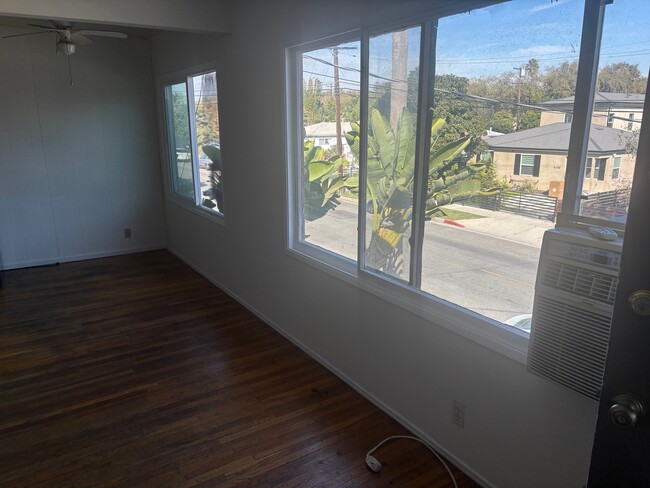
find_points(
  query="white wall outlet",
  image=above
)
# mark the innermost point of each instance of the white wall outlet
(127, 233)
(458, 413)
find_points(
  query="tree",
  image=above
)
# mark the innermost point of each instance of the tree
(462, 115)
(560, 81)
(207, 111)
(621, 78)
(529, 119)
(503, 121)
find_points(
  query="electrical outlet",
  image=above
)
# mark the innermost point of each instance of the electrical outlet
(458, 413)
(127, 233)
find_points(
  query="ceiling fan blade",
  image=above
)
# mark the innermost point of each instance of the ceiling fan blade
(48, 27)
(80, 39)
(116, 35)
(26, 34)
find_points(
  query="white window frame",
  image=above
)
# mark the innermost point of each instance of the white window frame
(195, 206)
(488, 332)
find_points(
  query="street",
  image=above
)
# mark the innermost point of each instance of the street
(490, 275)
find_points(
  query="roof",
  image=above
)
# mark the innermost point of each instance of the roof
(326, 129)
(603, 100)
(554, 138)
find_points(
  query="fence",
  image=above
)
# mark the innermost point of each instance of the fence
(606, 204)
(529, 204)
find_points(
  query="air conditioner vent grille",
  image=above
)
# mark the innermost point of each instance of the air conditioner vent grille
(579, 281)
(569, 345)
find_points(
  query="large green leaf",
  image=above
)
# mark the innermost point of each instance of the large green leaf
(385, 139)
(439, 159)
(214, 153)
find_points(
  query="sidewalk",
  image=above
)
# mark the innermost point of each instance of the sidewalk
(518, 228)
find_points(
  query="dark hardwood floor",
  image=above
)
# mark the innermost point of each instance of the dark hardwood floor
(135, 371)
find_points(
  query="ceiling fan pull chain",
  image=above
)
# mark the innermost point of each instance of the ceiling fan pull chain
(70, 70)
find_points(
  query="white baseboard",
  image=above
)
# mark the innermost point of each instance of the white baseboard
(80, 257)
(341, 375)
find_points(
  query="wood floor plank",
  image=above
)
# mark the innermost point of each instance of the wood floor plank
(135, 371)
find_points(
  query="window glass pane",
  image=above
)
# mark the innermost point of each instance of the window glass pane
(178, 125)
(618, 111)
(330, 181)
(527, 164)
(208, 147)
(481, 245)
(392, 112)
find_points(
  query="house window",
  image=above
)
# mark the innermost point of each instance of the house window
(630, 125)
(616, 168)
(568, 118)
(324, 142)
(610, 120)
(595, 168)
(192, 116)
(527, 164)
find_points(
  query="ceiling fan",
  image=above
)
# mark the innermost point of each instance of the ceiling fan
(67, 37)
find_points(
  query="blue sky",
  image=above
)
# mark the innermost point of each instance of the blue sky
(496, 39)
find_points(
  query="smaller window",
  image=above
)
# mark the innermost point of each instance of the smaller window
(323, 142)
(610, 120)
(192, 113)
(588, 167)
(568, 118)
(630, 125)
(616, 168)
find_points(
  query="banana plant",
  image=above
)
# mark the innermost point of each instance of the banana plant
(321, 181)
(390, 180)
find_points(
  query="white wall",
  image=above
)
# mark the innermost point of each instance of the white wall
(520, 431)
(78, 163)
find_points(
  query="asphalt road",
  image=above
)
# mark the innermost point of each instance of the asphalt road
(489, 275)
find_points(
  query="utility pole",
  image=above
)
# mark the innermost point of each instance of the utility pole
(337, 100)
(522, 73)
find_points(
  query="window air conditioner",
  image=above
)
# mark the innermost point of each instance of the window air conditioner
(572, 313)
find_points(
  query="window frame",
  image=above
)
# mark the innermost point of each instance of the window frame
(488, 332)
(162, 82)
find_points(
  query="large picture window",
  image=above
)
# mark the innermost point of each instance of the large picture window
(457, 160)
(194, 147)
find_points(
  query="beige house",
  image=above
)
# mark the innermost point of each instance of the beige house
(616, 110)
(323, 134)
(539, 156)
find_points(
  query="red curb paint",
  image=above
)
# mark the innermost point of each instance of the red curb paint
(453, 222)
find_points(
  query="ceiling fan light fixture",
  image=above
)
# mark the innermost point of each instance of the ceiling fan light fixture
(65, 47)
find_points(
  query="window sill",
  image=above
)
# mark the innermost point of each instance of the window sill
(203, 212)
(489, 333)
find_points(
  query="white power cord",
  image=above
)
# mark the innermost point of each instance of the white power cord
(375, 465)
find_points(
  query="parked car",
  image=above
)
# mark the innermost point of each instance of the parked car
(521, 322)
